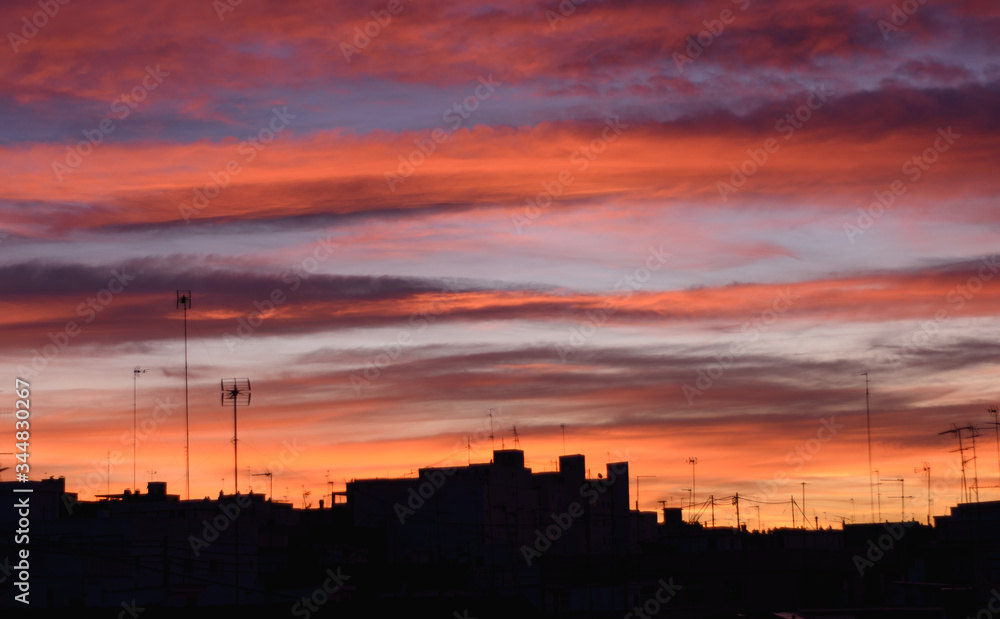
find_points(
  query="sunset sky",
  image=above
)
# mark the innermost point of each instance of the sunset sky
(681, 229)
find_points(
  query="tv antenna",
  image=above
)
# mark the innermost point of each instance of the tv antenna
(270, 478)
(966, 495)
(902, 497)
(237, 391)
(996, 426)
(926, 468)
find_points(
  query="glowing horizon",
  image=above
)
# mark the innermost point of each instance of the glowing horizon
(680, 231)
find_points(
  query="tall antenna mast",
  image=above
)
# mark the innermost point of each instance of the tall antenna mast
(517, 441)
(135, 374)
(563, 426)
(184, 302)
(237, 391)
(694, 489)
(868, 421)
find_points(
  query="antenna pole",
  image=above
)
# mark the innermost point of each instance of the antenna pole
(236, 485)
(975, 462)
(927, 466)
(563, 426)
(878, 485)
(868, 420)
(493, 443)
(184, 301)
(804, 520)
(694, 489)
